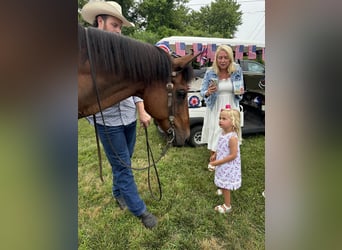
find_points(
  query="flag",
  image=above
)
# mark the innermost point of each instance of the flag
(197, 47)
(164, 45)
(263, 54)
(180, 48)
(211, 51)
(239, 52)
(251, 52)
(204, 55)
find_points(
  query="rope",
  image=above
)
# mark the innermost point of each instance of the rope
(93, 76)
(149, 153)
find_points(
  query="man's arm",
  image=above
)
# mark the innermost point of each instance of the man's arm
(144, 117)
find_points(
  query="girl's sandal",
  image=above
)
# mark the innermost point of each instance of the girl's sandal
(223, 209)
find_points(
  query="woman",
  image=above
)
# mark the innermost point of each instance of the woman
(222, 84)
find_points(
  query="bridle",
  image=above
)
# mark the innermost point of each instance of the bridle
(171, 134)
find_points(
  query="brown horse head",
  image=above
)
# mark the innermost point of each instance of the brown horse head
(113, 67)
(175, 120)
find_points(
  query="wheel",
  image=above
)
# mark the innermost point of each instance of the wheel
(195, 136)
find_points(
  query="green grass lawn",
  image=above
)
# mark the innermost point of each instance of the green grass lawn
(186, 215)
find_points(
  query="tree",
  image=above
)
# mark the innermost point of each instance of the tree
(155, 19)
(221, 19)
(156, 15)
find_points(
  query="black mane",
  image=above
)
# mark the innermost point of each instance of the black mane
(124, 56)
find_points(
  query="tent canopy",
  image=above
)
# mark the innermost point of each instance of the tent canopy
(189, 40)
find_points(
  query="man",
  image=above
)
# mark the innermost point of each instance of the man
(118, 134)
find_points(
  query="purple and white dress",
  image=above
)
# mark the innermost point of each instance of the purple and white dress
(227, 175)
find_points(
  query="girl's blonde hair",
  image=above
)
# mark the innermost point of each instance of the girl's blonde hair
(234, 116)
(231, 68)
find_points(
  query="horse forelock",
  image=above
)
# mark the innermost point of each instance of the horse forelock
(127, 58)
(188, 73)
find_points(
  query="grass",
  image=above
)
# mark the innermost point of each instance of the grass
(185, 213)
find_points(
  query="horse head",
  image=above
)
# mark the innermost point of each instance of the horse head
(176, 121)
(113, 67)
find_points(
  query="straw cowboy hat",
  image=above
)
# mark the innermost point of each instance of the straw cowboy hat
(94, 8)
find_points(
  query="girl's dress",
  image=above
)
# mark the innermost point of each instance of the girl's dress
(227, 175)
(211, 130)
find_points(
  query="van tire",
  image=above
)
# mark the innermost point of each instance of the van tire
(195, 136)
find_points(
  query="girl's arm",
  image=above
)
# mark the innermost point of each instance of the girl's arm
(213, 157)
(233, 145)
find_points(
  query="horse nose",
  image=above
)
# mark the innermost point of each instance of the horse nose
(181, 139)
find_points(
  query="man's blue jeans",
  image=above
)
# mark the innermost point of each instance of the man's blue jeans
(118, 143)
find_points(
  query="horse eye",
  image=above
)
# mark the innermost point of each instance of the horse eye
(181, 94)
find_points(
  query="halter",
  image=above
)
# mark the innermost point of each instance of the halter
(171, 131)
(169, 87)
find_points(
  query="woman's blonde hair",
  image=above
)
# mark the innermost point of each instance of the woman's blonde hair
(231, 68)
(234, 116)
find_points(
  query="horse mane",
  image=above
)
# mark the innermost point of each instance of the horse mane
(125, 57)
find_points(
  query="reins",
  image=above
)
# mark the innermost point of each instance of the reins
(170, 131)
(93, 76)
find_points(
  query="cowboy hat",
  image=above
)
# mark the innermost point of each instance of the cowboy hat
(111, 8)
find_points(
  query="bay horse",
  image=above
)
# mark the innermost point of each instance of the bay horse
(112, 67)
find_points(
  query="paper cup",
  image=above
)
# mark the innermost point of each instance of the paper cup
(214, 81)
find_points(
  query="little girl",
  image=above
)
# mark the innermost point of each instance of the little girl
(227, 163)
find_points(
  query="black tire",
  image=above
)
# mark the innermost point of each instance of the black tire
(195, 136)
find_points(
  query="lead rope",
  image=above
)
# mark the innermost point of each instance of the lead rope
(149, 152)
(93, 76)
(98, 149)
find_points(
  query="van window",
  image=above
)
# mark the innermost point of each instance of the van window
(255, 67)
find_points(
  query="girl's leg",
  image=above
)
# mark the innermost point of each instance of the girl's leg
(226, 207)
(226, 196)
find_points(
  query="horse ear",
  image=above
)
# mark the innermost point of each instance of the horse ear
(185, 60)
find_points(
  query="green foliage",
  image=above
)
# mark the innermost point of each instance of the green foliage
(146, 36)
(81, 3)
(186, 216)
(220, 19)
(171, 17)
(157, 14)
(225, 17)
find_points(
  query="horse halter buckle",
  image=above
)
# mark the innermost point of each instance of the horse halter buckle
(171, 130)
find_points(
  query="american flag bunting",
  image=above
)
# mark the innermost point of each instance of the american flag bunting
(211, 51)
(251, 51)
(180, 48)
(197, 47)
(239, 52)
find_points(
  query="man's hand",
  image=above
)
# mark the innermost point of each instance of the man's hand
(144, 117)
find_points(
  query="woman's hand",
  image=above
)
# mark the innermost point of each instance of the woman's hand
(211, 89)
